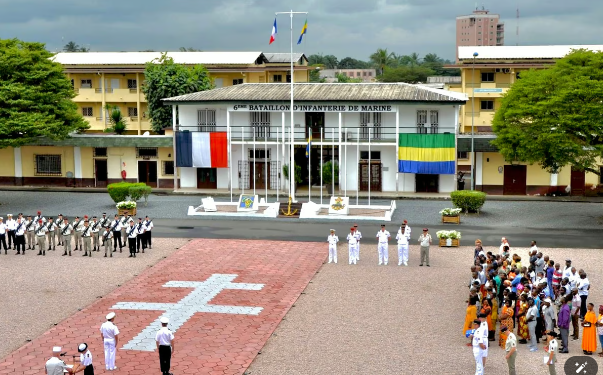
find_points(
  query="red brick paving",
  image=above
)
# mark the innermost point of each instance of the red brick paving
(207, 343)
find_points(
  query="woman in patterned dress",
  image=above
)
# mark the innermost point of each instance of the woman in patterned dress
(506, 320)
(522, 331)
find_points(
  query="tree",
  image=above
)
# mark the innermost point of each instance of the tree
(35, 95)
(342, 78)
(165, 79)
(554, 116)
(117, 120)
(408, 74)
(351, 63)
(328, 61)
(73, 47)
(382, 58)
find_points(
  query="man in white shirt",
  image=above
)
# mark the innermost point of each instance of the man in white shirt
(141, 229)
(164, 339)
(3, 231)
(407, 230)
(402, 246)
(383, 245)
(583, 286)
(574, 277)
(56, 366)
(503, 243)
(20, 236)
(332, 239)
(110, 336)
(479, 346)
(568, 268)
(531, 320)
(116, 229)
(85, 360)
(11, 224)
(358, 238)
(131, 233)
(148, 234)
(352, 242)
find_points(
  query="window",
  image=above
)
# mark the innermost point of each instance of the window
(462, 155)
(100, 152)
(132, 112)
(146, 152)
(487, 105)
(375, 155)
(488, 77)
(288, 78)
(364, 74)
(259, 154)
(132, 84)
(370, 74)
(260, 122)
(86, 83)
(206, 120)
(87, 112)
(72, 84)
(357, 74)
(277, 78)
(421, 121)
(168, 167)
(434, 120)
(238, 81)
(365, 118)
(48, 165)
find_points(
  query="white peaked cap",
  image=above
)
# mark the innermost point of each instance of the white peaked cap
(164, 320)
(56, 349)
(110, 315)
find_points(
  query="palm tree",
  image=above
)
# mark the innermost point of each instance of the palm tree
(116, 119)
(414, 59)
(71, 47)
(381, 58)
(432, 58)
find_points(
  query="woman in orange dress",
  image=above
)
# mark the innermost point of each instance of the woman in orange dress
(487, 310)
(470, 316)
(589, 333)
(522, 331)
(506, 320)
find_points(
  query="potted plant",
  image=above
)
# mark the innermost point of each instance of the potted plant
(327, 176)
(126, 208)
(298, 174)
(451, 215)
(449, 238)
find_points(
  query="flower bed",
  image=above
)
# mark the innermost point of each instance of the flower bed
(449, 238)
(451, 215)
(126, 208)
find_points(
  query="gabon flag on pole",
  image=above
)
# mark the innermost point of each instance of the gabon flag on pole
(273, 36)
(202, 150)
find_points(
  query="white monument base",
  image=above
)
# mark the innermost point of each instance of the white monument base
(247, 203)
(339, 206)
(209, 205)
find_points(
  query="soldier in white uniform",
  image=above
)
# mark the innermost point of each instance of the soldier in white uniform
(51, 234)
(77, 232)
(164, 339)
(358, 238)
(383, 245)
(131, 232)
(11, 224)
(41, 231)
(30, 235)
(116, 228)
(352, 242)
(96, 227)
(59, 222)
(553, 348)
(106, 240)
(3, 231)
(85, 360)
(104, 221)
(66, 231)
(477, 342)
(148, 237)
(407, 230)
(140, 236)
(332, 240)
(110, 336)
(402, 246)
(87, 239)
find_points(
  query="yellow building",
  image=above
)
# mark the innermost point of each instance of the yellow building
(115, 78)
(486, 74)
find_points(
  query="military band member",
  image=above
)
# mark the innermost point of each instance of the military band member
(332, 240)
(116, 229)
(358, 238)
(77, 233)
(352, 242)
(20, 236)
(11, 224)
(96, 227)
(41, 231)
(106, 240)
(125, 223)
(149, 224)
(51, 234)
(140, 236)
(30, 227)
(66, 231)
(3, 231)
(383, 245)
(87, 238)
(59, 222)
(132, 233)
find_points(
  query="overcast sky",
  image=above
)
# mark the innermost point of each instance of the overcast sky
(353, 28)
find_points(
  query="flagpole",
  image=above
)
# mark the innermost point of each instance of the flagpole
(333, 162)
(245, 165)
(369, 167)
(230, 182)
(278, 172)
(266, 161)
(321, 157)
(359, 167)
(345, 158)
(310, 166)
(292, 163)
(253, 130)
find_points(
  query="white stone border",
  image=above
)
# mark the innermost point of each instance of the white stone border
(271, 210)
(310, 211)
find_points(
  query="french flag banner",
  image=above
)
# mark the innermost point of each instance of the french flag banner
(202, 150)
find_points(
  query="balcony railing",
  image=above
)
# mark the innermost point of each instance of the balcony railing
(100, 91)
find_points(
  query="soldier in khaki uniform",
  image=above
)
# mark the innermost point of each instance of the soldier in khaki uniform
(87, 238)
(77, 232)
(66, 231)
(51, 234)
(40, 233)
(30, 235)
(96, 227)
(59, 222)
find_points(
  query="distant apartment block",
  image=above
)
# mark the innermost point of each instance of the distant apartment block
(367, 75)
(480, 28)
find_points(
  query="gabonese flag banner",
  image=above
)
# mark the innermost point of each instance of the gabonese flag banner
(202, 150)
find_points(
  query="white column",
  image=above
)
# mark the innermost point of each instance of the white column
(284, 157)
(321, 157)
(77, 163)
(358, 162)
(396, 137)
(345, 158)
(554, 179)
(229, 152)
(18, 162)
(339, 158)
(479, 162)
(174, 129)
(369, 165)
(244, 158)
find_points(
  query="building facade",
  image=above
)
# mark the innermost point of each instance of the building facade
(355, 125)
(366, 75)
(96, 158)
(480, 28)
(485, 79)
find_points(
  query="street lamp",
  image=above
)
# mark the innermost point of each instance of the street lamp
(475, 54)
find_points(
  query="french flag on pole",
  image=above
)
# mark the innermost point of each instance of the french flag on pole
(202, 150)
(273, 36)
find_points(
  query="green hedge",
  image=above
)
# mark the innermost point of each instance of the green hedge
(468, 200)
(120, 191)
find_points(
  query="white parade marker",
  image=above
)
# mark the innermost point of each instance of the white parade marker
(196, 301)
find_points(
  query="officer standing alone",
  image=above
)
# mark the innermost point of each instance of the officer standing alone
(164, 339)
(110, 336)
(106, 239)
(332, 240)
